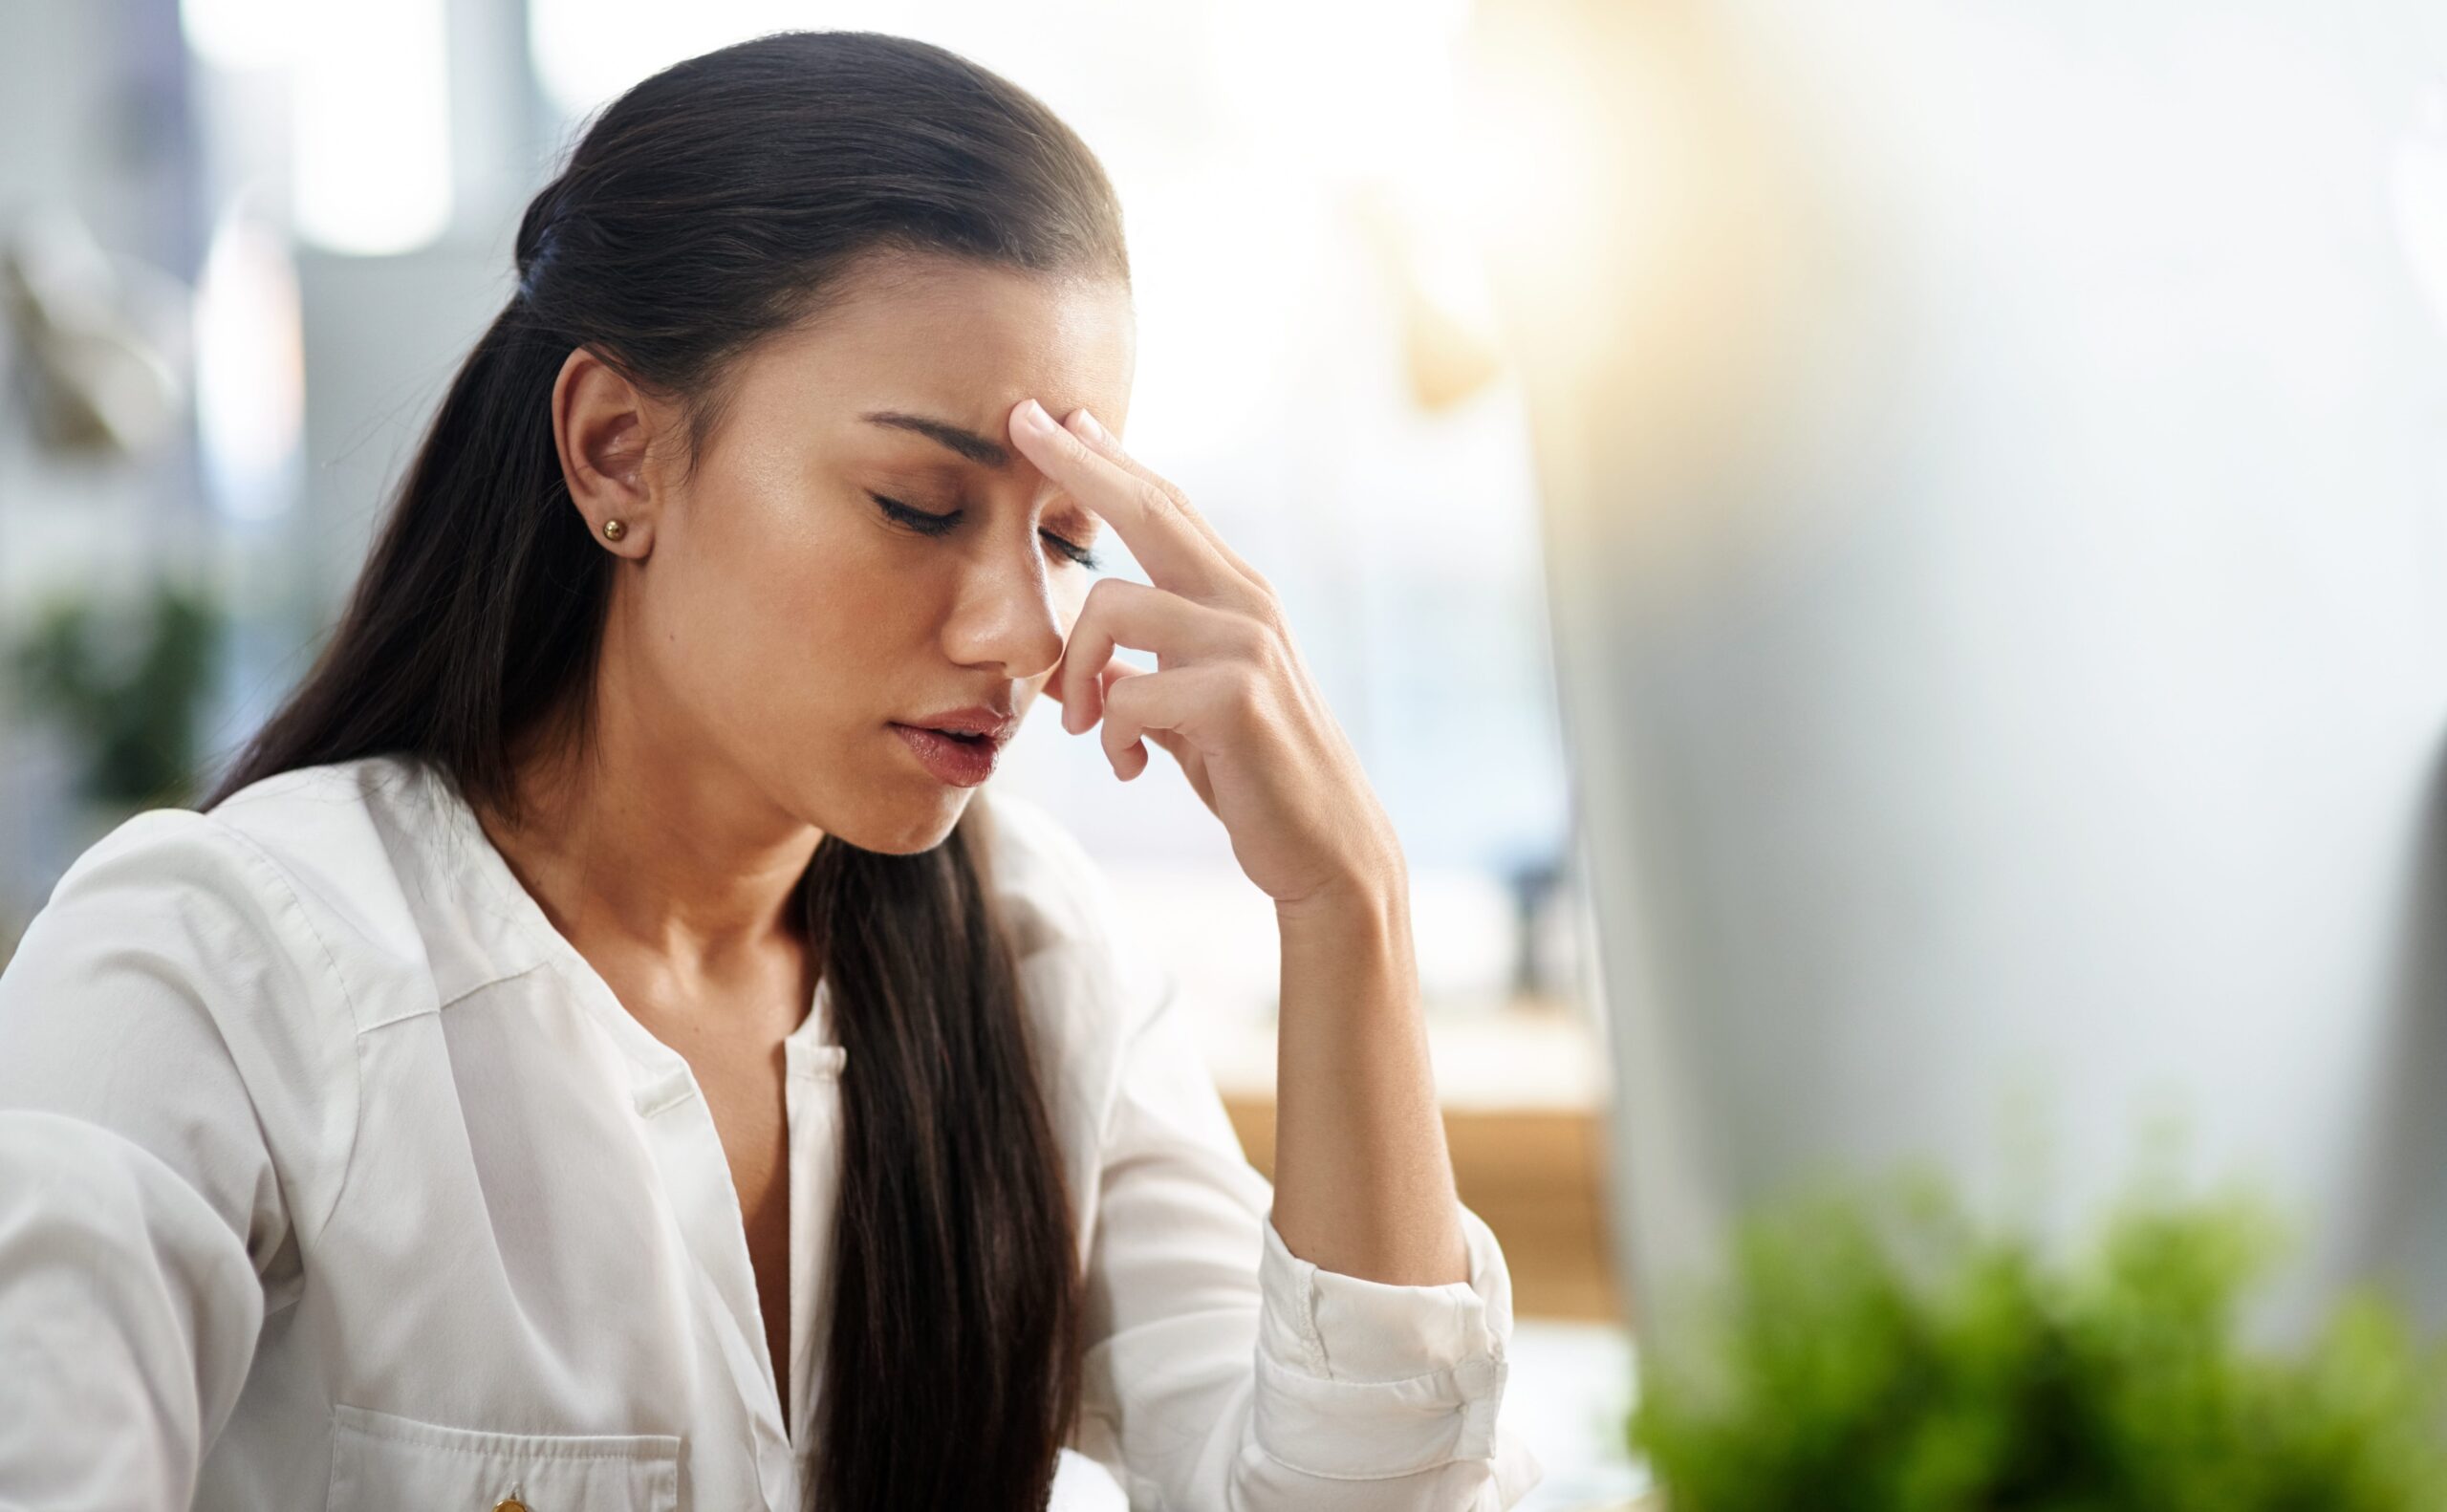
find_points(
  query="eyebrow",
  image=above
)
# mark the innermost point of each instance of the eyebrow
(984, 452)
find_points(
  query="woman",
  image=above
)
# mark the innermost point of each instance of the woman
(600, 1048)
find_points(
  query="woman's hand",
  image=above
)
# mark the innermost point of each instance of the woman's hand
(1228, 698)
(1362, 1183)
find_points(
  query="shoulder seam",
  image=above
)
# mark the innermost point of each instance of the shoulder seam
(445, 1005)
(258, 857)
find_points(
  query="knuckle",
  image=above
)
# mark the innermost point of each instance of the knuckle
(1253, 639)
(1102, 602)
(1244, 699)
(1267, 640)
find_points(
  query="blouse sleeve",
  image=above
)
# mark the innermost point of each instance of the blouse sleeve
(1225, 1372)
(150, 1078)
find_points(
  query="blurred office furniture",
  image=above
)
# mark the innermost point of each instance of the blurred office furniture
(97, 473)
(1996, 462)
(101, 339)
(1535, 1175)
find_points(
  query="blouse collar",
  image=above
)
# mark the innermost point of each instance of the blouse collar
(809, 1048)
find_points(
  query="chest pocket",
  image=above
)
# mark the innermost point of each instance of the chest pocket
(383, 1463)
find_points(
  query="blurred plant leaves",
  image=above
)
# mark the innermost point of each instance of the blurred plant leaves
(1873, 1350)
(130, 691)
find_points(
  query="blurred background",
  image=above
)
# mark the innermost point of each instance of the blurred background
(1886, 559)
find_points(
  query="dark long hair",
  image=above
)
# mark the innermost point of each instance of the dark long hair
(706, 209)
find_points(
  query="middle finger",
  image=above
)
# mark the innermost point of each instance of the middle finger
(1120, 613)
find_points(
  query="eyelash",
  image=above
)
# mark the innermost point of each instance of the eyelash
(925, 524)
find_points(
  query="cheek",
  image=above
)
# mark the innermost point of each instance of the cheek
(775, 594)
(828, 607)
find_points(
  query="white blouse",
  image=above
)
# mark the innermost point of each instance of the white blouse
(332, 1175)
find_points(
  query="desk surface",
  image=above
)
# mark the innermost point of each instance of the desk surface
(1534, 1054)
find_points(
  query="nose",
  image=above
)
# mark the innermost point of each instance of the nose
(1006, 616)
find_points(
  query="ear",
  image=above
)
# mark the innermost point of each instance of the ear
(602, 425)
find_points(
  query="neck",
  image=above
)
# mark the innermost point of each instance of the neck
(640, 838)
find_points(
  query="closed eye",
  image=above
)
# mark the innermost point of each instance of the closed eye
(917, 520)
(926, 523)
(1080, 554)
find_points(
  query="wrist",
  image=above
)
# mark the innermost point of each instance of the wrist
(1370, 902)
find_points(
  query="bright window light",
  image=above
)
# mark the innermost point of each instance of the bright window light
(371, 102)
(242, 35)
(2419, 185)
(588, 50)
(250, 368)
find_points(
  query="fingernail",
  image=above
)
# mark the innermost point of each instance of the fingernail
(1032, 414)
(1087, 425)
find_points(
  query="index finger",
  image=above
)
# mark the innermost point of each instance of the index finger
(1152, 523)
(1100, 440)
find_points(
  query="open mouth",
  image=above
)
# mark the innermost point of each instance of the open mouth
(959, 758)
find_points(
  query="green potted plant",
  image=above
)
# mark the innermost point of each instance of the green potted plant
(1876, 1350)
(129, 690)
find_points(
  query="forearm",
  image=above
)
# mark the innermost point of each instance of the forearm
(1363, 1184)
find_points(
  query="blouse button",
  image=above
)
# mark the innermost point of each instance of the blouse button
(510, 1504)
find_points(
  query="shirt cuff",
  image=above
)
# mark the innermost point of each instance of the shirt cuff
(1359, 1379)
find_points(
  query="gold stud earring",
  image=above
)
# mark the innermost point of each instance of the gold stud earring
(614, 530)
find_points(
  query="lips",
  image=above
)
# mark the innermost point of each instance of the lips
(958, 758)
(975, 720)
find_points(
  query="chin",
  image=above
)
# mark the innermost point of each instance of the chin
(910, 828)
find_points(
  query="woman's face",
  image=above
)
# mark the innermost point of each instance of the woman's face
(784, 618)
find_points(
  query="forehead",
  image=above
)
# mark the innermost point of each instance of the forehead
(960, 340)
